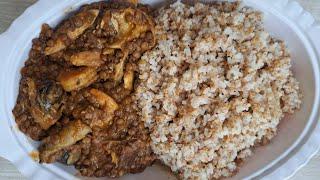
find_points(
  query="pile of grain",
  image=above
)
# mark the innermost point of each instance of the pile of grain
(215, 85)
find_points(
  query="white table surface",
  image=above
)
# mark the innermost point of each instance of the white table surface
(11, 9)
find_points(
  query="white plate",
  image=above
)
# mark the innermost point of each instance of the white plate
(299, 134)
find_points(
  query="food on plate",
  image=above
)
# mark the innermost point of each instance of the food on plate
(215, 85)
(113, 88)
(77, 90)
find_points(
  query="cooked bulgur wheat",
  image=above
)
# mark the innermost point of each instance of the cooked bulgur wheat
(216, 85)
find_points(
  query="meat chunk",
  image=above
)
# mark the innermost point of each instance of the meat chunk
(43, 119)
(128, 79)
(45, 111)
(127, 27)
(105, 101)
(58, 45)
(118, 72)
(87, 58)
(103, 116)
(135, 2)
(87, 19)
(69, 135)
(77, 79)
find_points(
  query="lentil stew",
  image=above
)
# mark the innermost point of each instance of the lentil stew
(76, 90)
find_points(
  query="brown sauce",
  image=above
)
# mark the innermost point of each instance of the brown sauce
(76, 90)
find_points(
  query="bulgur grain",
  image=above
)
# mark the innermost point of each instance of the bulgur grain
(215, 85)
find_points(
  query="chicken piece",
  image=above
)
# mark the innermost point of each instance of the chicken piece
(117, 21)
(58, 45)
(87, 18)
(118, 70)
(87, 58)
(71, 157)
(105, 101)
(43, 113)
(77, 79)
(142, 26)
(135, 2)
(108, 106)
(44, 119)
(114, 158)
(108, 51)
(126, 28)
(95, 117)
(73, 132)
(128, 79)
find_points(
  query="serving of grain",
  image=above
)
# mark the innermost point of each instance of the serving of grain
(215, 85)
